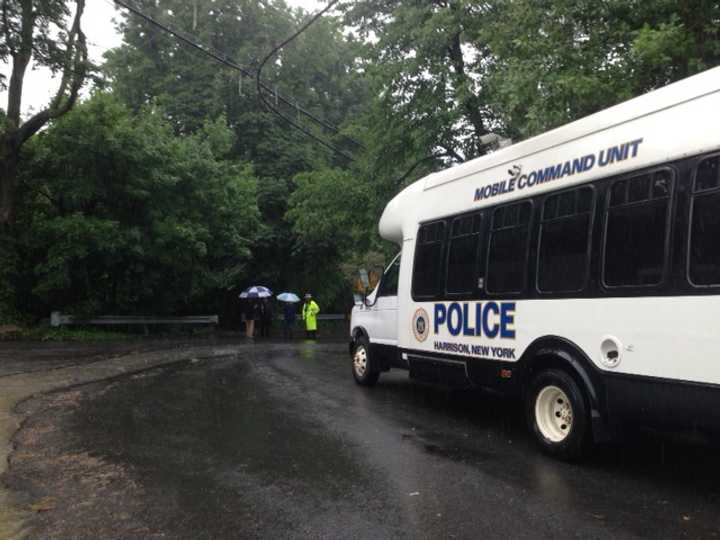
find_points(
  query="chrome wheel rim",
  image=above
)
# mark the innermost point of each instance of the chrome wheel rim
(360, 359)
(553, 414)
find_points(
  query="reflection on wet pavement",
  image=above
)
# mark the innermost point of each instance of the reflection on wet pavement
(276, 441)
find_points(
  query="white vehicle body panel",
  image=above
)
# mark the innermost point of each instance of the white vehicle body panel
(672, 337)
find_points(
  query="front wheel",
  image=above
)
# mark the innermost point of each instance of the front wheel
(558, 415)
(363, 368)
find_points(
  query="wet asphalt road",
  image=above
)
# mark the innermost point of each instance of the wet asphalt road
(277, 441)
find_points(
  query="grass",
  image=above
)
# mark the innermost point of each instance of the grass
(83, 335)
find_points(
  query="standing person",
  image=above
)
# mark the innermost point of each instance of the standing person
(288, 320)
(249, 313)
(309, 314)
(257, 312)
(266, 315)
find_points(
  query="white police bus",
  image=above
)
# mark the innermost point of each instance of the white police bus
(578, 270)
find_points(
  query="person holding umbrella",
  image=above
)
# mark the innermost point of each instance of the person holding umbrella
(309, 314)
(248, 313)
(288, 299)
(252, 296)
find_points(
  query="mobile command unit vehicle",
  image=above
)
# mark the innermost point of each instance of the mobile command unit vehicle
(578, 271)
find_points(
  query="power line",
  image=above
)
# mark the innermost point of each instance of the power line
(272, 53)
(222, 58)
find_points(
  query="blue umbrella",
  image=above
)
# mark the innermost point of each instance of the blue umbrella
(288, 297)
(256, 291)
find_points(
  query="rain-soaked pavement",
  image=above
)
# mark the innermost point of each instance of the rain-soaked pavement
(276, 441)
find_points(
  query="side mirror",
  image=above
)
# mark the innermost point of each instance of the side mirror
(359, 299)
(364, 279)
(366, 283)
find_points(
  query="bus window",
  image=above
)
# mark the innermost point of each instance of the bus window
(565, 238)
(637, 230)
(428, 260)
(507, 255)
(389, 283)
(704, 252)
(463, 245)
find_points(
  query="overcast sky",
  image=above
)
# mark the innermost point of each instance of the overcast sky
(101, 35)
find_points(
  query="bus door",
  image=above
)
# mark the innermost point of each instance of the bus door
(385, 308)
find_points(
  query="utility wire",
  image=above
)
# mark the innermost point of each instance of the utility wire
(222, 58)
(272, 53)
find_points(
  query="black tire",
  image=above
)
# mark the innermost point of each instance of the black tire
(363, 367)
(558, 414)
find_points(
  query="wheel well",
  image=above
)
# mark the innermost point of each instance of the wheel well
(547, 361)
(356, 334)
(359, 331)
(553, 352)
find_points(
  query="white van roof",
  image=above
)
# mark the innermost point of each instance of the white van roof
(484, 170)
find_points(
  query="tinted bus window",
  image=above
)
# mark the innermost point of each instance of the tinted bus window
(637, 230)
(704, 252)
(507, 255)
(462, 254)
(428, 260)
(389, 285)
(565, 229)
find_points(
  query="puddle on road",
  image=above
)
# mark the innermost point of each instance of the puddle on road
(211, 432)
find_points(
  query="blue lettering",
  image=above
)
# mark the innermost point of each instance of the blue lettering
(467, 331)
(478, 318)
(577, 166)
(440, 316)
(566, 169)
(490, 331)
(613, 154)
(635, 145)
(454, 326)
(507, 319)
(603, 158)
(550, 173)
(531, 179)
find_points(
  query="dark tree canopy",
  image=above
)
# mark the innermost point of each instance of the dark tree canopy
(50, 34)
(175, 187)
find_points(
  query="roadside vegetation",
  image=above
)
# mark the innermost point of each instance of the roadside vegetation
(169, 187)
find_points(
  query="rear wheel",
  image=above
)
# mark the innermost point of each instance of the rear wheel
(558, 415)
(364, 370)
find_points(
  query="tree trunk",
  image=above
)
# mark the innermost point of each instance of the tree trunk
(8, 179)
(464, 92)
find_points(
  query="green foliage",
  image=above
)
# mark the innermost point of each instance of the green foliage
(330, 208)
(128, 217)
(178, 189)
(83, 335)
(553, 61)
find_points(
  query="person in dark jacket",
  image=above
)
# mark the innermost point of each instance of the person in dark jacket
(250, 313)
(266, 316)
(289, 316)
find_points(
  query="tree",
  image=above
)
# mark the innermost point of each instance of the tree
(37, 31)
(553, 61)
(425, 68)
(312, 72)
(123, 216)
(316, 72)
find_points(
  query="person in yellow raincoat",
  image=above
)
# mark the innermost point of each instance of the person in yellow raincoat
(309, 314)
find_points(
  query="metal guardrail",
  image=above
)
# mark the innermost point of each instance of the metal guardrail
(331, 317)
(59, 319)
